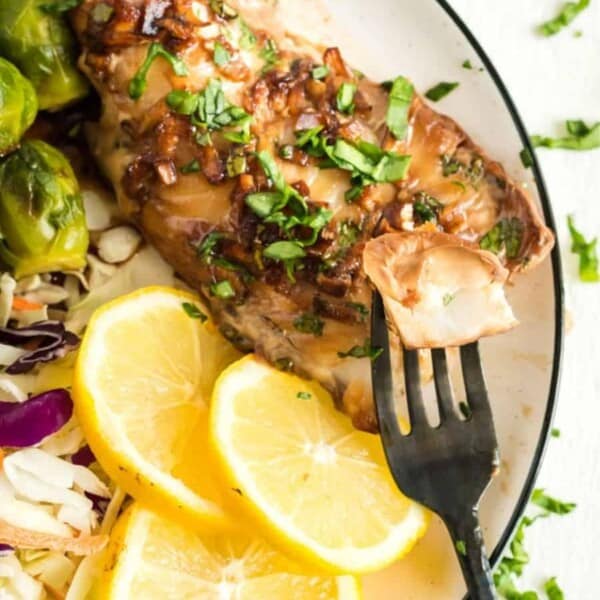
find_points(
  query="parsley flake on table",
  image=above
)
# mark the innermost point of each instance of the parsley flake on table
(441, 90)
(553, 590)
(565, 17)
(580, 137)
(550, 504)
(587, 252)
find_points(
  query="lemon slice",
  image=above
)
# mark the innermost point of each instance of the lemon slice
(153, 558)
(313, 485)
(143, 379)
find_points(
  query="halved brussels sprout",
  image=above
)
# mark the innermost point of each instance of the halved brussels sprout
(18, 106)
(41, 44)
(42, 222)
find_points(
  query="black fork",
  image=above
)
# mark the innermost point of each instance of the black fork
(446, 468)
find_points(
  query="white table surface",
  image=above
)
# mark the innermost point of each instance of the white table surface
(551, 80)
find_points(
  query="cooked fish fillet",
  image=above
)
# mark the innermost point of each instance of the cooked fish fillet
(199, 197)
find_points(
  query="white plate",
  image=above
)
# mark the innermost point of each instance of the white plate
(426, 41)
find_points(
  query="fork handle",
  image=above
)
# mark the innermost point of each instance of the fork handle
(470, 550)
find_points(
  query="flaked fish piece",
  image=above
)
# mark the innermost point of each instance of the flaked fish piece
(260, 167)
(439, 291)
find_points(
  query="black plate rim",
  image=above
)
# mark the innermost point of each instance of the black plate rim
(558, 283)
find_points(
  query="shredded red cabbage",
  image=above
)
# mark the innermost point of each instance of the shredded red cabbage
(83, 457)
(50, 340)
(28, 423)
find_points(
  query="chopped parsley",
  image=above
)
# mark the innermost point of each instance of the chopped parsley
(467, 65)
(192, 167)
(320, 72)
(222, 289)
(222, 9)
(448, 298)
(364, 351)
(580, 137)
(506, 235)
(270, 54)
(207, 248)
(452, 166)
(236, 165)
(247, 39)
(345, 98)
(101, 13)
(221, 55)
(309, 323)
(550, 504)
(526, 158)
(284, 251)
(587, 252)
(553, 590)
(304, 395)
(59, 6)
(465, 410)
(555, 432)
(360, 308)
(441, 90)
(400, 98)
(209, 110)
(137, 86)
(427, 207)
(461, 547)
(565, 17)
(194, 312)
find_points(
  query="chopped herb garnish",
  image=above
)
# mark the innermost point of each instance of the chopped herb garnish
(461, 547)
(526, 158)
(59, 6)
(360, 308)
(221, 55)
(441, 90)
(102, 12)
(448, 298)
(400, 98)
(581, 137)
(506, 235)
(194, 312)
(192, 167)
(465, 410)
(565, 17)
(467, 65)
(320, 72)
(364, 351)
(304, 395)
(450, 166)
(222, 9)
(587, 252)
(553, 590)
(270, 54)
(284, 251)
(427, 207)
(209, 111)
(236, 165)
(247, 39)
(137, 86)
(550, 504)
(555, 432)
(207, 247)
(345, 97)
(309, 323)
(222, 289)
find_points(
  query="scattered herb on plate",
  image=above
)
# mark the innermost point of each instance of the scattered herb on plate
(565, 17)
(580, 137)
(587, 252)
(441, 90)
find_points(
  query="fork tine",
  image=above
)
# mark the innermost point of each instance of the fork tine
(443, 389)
(381, 375)
(477, 395)
(414, 395)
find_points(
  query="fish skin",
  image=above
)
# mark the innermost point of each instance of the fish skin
(141, 145)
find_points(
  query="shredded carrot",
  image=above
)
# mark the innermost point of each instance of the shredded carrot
(20, 303)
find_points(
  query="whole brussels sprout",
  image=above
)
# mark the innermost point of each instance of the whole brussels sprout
(42, 223)
(18, 106)
(41, 44)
